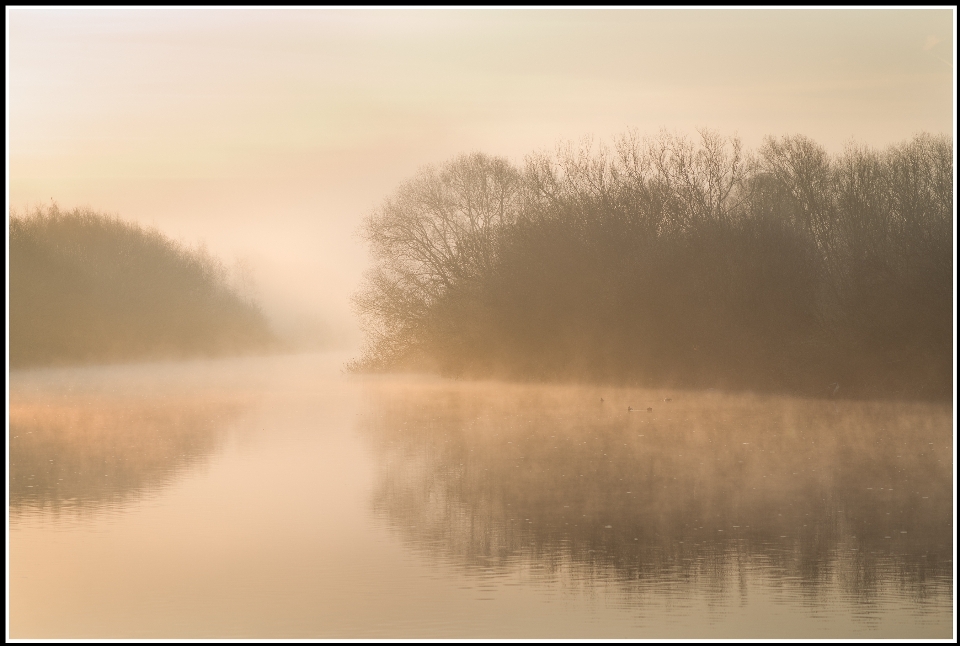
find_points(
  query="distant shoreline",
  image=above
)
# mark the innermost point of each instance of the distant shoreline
(90, 288)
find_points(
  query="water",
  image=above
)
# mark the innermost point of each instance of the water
(275, 497)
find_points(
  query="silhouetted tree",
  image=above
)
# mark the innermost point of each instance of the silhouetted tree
(672, 261)
(88, 287)
(433, 243)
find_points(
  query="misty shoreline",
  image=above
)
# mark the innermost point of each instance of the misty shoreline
(673, 262)
(89, 288)
(666, 263)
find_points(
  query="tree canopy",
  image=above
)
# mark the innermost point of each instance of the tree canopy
(673, 261)
(89, 287)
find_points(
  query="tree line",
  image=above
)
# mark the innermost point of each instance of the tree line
(87, 287)
(673, 261)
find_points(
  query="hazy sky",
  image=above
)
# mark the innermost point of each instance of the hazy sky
(269, 134)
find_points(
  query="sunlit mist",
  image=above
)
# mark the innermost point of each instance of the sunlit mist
(470, 323)
(270, 134)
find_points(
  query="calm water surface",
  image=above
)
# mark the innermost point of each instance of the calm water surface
(274, 497)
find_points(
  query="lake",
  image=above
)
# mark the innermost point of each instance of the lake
(275, 497)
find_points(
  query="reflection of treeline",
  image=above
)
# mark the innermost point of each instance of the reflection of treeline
(87, 287)
(72, 454)
(502, 476)
(674, 262)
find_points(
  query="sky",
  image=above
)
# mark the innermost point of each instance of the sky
(267, 135)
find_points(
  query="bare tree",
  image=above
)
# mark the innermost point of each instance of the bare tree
(437, 234)
(671, 258)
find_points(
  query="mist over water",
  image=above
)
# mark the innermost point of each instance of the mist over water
(702, 492)
(277, 497)
(620, 323)
(85, 443)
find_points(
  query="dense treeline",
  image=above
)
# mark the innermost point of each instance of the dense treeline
(88, 287)
(674, 262)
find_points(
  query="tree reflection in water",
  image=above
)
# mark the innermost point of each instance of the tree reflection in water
(831, 496)
(93, 452)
